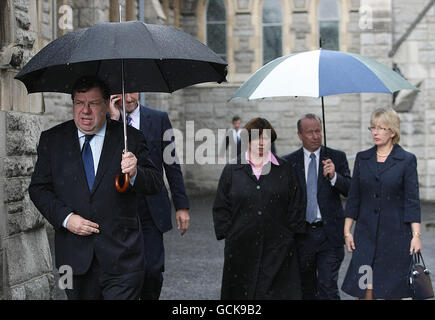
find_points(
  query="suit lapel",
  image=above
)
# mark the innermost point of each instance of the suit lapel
(110, 146)
(371, 161)
(320, 178)
(300, 170)
(73, 150)
(392, 159)
(145, 120)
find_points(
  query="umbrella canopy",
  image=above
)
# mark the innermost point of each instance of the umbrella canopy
(156, 58)
(321, 73)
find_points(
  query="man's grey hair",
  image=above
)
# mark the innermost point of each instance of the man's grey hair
(308, 116)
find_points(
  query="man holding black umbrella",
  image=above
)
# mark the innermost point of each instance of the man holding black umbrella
(323, 176)
(155, 210)
(96, 228)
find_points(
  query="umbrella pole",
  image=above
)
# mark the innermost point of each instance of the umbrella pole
(124, 122)
(324, 128)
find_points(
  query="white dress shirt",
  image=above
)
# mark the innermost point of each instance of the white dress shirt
(307, 160)
(236, 133)
(135, 118)
(96, 145)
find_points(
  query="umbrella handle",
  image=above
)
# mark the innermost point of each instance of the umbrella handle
(126, 183)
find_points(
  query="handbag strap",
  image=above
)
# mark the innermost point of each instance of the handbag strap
(417, 258)
(422, 260)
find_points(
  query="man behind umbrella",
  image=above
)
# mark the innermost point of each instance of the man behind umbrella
(323, 176)
(155, 210)
(97, 230)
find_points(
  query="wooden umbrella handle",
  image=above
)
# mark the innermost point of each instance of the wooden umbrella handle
(126, 183)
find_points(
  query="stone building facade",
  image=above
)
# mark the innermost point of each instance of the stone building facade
(386, 30)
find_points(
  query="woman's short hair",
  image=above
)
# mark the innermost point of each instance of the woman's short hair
(389, 118)
(260, 124)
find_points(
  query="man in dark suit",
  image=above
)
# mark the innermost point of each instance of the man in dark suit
(155, 211)
(97, 231)
(323, 175)
(233, 141)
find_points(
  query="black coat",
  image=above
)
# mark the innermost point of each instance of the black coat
(59, 187)
(328, 197)
(258, 219)
(384, 203)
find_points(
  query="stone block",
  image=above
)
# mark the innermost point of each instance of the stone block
(39, 288)
(382, 26)
(25, 38)
(28, 256)
(21, 5)
(23, 133)
(18, 166)
(243, 20)
(22, 19)
(244, 32)
(26, 218)
(14, 190)
(367, 38)
(2, 272)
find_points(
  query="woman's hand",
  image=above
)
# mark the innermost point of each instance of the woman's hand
(415, 245)
(350, 244)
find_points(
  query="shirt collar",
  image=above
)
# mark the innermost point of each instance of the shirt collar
(135, 112)
(270, 158)
(101, 132)
(308, 153)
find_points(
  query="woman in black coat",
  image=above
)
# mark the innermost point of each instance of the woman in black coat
(384, 200)
(257, 210)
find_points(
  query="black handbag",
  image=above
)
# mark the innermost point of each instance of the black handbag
(419, 281)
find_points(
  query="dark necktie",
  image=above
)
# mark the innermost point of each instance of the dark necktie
(312, 205)
(88, 161)
(129, 119)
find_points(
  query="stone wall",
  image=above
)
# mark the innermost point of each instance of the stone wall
(416, 60)
(26, 249)
(25, 260)
(207, 105)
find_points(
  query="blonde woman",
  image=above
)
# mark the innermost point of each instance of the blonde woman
(384, 201)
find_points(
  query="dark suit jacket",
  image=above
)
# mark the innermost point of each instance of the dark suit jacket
(153, 125)
(328, 197)
(59, 187)
(233, 148)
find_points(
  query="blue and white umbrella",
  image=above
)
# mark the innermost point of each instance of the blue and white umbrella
(321, 73)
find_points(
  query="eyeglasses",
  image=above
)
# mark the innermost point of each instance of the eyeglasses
(92, 104)
(378, 128)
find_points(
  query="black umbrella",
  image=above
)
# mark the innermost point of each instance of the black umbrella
(128, 56)
(156, 59)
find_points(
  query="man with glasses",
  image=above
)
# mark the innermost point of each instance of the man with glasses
(323, 176)
(97, 231)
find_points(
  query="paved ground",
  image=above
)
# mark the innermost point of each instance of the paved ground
(194, 261)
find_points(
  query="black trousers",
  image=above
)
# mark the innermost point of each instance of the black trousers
(99, 285)
(154, 258)
(319, 263)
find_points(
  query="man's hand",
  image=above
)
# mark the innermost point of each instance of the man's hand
(80, 226)
(128, 164)
(328, 169)
(115, 104)
(183, 220)
(350, 243)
